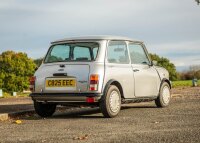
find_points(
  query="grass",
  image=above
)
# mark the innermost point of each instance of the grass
(19, 94)
(183, 83)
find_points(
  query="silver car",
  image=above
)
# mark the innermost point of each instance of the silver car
(104, 71)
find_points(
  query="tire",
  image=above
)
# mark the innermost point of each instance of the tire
(110, 104)
(44, 110)
(164, 97)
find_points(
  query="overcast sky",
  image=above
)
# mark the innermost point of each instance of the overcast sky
(170, 28)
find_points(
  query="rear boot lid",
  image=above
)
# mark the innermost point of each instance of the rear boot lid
(62, 78)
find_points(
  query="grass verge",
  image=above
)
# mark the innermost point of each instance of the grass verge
(19, 94)
(183, 83)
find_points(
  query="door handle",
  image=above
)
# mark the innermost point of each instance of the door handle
(136, 70)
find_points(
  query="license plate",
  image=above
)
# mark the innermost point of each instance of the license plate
(60, 83)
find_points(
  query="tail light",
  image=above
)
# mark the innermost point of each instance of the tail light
(32, 83)
(94, 81)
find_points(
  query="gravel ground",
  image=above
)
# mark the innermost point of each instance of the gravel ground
(180, 122)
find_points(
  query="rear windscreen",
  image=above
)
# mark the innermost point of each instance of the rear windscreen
(80, 51)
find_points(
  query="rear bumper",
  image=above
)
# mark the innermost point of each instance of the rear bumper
(64, 97)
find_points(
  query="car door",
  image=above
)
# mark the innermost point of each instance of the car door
(118, 67)
(145, 75)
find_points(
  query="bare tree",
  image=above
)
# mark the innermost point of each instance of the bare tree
(195, 69)
(198, 1)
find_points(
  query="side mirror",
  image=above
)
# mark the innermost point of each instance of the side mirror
(154, 63)
(36, 68)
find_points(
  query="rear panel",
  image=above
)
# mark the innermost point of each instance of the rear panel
(53, 77)
(76, 72)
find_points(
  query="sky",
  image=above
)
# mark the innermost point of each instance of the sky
(169, 28)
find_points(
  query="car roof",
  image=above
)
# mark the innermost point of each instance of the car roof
(99, 37)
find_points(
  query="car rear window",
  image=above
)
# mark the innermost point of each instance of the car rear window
(79, 51)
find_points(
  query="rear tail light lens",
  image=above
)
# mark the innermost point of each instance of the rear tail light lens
(94, 81)
(32, 83)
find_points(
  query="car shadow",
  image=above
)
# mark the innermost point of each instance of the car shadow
(88, 113)
(79, 113)
(82, 113)
(137, 107)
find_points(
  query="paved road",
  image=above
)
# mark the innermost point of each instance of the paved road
(180, 122)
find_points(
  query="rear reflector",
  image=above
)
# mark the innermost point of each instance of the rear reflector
(90, 99)
(32, 83)
(32, 80)
(93, 87)
(31, 88)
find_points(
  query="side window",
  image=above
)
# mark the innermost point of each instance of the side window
(117, 52)
(82, 53)
(137, 54)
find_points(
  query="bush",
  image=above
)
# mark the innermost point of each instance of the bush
(164, 62)
(15, 70)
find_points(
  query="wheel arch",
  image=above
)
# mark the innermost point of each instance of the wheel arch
(159, 100)
(117, 84)
(166, 80)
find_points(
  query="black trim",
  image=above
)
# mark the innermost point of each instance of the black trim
(60, 74)
(138, 99)
(62, 66)
(64, 97)
(70, 94)
(107, 85)
(110, 83)
(166, 80)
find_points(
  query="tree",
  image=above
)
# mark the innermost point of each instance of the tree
(193, 72)
(15, 71)
(38, 62)
(198, 1)
(164, 62)
(195, 69)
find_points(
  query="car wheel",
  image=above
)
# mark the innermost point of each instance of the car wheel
(164, 97)
(111, 102)
(44, 110)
